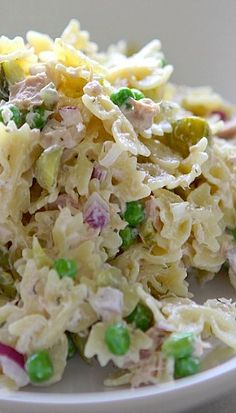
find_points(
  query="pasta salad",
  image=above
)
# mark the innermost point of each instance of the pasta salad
(115, 185)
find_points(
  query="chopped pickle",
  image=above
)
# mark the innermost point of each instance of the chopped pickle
(13, 72)
(185, 133)
(80, 343)
(7, 286)
(47, 167)
(4, 88)
(4, 260)
(40, 257)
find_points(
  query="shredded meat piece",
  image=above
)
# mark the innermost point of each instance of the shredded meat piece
(141, 113)
(26, 94)
(93, 88)
(63, 201)
(68, 132)
(107, 302)
(153, 212)
(229, 129)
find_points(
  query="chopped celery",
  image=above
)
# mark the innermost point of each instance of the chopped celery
(47, 167)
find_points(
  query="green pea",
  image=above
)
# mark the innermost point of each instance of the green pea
(38, 118)
(186, 366)
(137, 95)
(117, 339)
(141, 317)
(16, 115)
(134, 213)
(179, 345)
(39, 367)
(120, 97)
(128, 236)
(66, 268)
(72, 350)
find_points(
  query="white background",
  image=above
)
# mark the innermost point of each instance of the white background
(199, 36)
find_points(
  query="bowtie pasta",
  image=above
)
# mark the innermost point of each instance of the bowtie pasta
(115, 185)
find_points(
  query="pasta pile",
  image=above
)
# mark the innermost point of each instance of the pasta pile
(72, 163)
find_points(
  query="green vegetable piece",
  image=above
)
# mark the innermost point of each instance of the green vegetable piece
(164, 62)
(13, 72)
(134, 213)
(137, 95)
(47, 167)
(234, 233)
(16, 115)
(72, 349)
(128, 235)
(179, 345)
(4, 88)
(39, 367)
(141, 317)
(186, 366)
(121, 96)
(38, 118)
(117, 339)
(185, 133)
(66, 268)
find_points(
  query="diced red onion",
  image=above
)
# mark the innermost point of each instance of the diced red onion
(99, 172)
(12, 364)
(145, 354)
(96, 212)
(229, 129)
(220, 113)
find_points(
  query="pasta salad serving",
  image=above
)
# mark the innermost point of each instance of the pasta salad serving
(115, 184)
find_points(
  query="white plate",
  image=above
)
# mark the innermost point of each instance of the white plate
(82, 391)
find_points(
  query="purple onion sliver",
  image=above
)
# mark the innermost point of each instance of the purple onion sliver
(96, 212)
(99, 173)
(97, 218)
(12, 354)
(222, 115)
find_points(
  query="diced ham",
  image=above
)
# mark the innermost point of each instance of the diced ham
(63, 200)
(26, 94)
(107, 302)
(141, 113)
(229, 129)
(153, 212)
(68, 132)
(71, 115)
(93, 88)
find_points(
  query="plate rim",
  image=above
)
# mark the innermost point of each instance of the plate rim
(123, 394)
